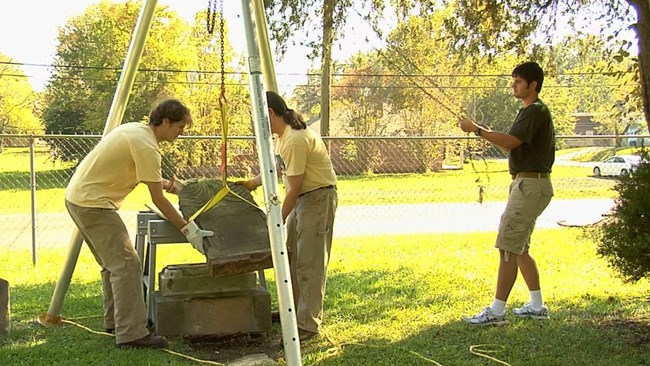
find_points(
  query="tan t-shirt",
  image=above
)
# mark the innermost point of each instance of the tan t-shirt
(304, 152)
(126, 156)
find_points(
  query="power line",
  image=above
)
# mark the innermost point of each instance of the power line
(358, 86)
(86, 67)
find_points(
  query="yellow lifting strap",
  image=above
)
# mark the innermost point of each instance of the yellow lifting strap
(223, 106)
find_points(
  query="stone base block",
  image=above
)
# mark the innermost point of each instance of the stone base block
(224, 314)
(195, 279)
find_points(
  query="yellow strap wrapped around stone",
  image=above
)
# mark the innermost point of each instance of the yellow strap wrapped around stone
(223, 105)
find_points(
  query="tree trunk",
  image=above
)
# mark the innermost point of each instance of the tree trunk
(642, 8)
(326, 62)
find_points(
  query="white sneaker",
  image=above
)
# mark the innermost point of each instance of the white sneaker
(527, 311)
(486, 317)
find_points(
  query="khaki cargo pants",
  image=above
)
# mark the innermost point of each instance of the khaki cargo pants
(527, 200)
(108, 240)
(309, 240)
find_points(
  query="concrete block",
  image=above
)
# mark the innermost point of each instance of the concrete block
(196, 279)
(224, 314)
(5, 318)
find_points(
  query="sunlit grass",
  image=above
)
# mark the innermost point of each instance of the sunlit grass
(600, 154)
(491, 177)
(390, 300)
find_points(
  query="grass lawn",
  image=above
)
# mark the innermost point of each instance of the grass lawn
(391, 300)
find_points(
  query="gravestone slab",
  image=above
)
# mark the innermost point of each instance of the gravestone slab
(241, 239)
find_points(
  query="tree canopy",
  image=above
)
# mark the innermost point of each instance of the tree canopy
(17, 100)
(180, 60)
(490, 27)
(481, 33)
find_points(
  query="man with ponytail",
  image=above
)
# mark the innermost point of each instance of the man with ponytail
(308, 210)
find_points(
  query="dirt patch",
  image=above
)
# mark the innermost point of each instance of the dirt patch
(634, 331)
(228, 349)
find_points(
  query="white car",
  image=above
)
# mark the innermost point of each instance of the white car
(619, 165)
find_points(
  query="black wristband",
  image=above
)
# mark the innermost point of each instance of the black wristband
(478, 132)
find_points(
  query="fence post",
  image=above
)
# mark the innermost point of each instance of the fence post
(32, 187)
(5, 319)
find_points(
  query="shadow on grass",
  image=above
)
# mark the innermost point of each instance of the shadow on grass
(584, 331)
(19, 180)
(594, 331)
(30, 343)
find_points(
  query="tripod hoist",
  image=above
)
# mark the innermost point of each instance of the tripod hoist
(260, 65)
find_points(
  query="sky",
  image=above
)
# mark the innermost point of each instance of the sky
(28, 34)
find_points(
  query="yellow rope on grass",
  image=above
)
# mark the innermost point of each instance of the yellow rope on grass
(86, 328)
(178, 354)
(481, 350)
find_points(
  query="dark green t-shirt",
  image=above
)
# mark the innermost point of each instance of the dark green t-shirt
(533, 126)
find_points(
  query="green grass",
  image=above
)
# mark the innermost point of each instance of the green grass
(391, 300)
(606, 152)
(490, 176)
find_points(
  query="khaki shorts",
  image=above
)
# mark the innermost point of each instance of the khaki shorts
(527, 199)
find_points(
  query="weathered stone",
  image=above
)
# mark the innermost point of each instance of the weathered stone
(5, 313)
(241, 240)
(196, 279)
(224, 314)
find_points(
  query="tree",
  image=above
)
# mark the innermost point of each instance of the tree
(288, 16)
(361, 96)
(604, 87)
(90, 54)
(211, 64)
(307, 97)
(427, 93)
(487, 27)
(17, 101)
(179, 60)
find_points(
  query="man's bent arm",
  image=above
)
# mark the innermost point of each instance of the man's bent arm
(505, 141)
(163, 204)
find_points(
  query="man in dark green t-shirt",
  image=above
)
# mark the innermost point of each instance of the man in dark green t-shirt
(531, 146)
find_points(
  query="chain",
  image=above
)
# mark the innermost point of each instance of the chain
(211, 16)
(221, 45)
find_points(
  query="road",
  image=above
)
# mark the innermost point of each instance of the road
(456, 217)
(55, 229)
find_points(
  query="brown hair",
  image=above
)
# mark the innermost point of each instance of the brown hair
(172, 109)
(530, 71)
(279, 106)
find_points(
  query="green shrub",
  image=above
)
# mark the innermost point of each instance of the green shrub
(625, 238)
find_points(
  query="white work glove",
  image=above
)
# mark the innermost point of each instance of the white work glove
(195, 235)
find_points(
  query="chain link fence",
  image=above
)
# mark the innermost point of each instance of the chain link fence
(386, 185)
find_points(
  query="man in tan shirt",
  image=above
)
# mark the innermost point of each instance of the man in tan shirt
(126, 156)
